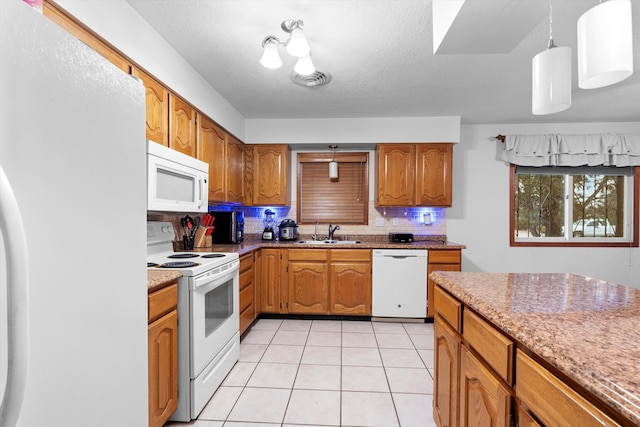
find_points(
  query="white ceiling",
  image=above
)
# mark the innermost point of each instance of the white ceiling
(380, 55)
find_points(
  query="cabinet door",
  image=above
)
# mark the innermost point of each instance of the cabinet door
(157, 108)
(446, 367)
(270, 298)
(350, 285)
(235, 171)
(433, 174)
(484, 400)
(308, 291)
(396, 169)
(270, 174)
(182, 126)
(212, 142)
(163, 368)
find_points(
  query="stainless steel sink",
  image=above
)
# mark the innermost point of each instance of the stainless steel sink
(330, 242)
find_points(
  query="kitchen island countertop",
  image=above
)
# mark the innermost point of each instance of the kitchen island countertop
(587, 329)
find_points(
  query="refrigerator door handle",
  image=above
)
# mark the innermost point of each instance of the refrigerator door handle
(15, 244)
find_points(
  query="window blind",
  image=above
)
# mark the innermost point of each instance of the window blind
(341, 201)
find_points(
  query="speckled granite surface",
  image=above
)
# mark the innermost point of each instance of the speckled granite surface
(588, 329)
(157, 279)
(367, 242)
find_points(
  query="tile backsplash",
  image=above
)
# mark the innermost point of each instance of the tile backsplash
(381, 221)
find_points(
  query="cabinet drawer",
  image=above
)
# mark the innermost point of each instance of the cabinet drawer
(162, 301)
(308, 254)
(246, 297)
(491, 345)
(246, 262)
(246, 278)
(448, 308)
(350, 254)
(443, 256)
(552, 401)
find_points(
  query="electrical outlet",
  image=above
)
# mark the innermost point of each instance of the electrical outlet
(395, 221)
(379, 222)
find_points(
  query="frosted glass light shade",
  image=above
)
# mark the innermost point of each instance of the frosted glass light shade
(333, 170)
(551, 81)
(605, 44)
(297, 45)
(270, 57)
(304, 66)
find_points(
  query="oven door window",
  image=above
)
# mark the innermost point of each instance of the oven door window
(218, 306)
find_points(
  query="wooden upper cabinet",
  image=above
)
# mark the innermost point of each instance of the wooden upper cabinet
(414, 174)
(157, 108)
(84, 35)
(396, 164)
(433, 174)
(182, 126)
(235, 171)
(212, 141)
(270, 174)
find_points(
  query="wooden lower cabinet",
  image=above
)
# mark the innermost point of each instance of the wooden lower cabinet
(484, 400)
(247, 291)
(315, 281)
(446, 361)
(272, 290)
(350, 282)
(163, 354)
(444, 260)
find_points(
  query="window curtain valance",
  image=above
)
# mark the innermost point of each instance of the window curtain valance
(572, 150)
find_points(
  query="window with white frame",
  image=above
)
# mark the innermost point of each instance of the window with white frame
(580, 206)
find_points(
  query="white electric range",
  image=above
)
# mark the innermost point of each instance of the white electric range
(208, 316)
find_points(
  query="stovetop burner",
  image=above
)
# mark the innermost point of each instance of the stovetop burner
(179, 264)
(213, 255)
(183, 255)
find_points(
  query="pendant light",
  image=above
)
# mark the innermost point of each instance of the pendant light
(333, 165)
(551, 77)
(605, 44)
(270, 57)
(304, 65)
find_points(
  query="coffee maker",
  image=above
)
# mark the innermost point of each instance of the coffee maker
(269, 225)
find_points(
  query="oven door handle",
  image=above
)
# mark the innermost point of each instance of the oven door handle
(206, 282)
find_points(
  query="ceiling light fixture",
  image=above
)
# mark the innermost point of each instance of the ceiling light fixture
(333, 165)
(297, 46)
(551, 77)
(605, 44)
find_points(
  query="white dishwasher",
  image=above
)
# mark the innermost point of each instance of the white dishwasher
(399, 283)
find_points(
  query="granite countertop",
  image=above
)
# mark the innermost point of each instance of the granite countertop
(367, 242)
(586, 328)
(158, 279)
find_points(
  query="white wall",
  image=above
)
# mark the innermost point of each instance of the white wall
(120, 25)
(479, 217)
(353, 130)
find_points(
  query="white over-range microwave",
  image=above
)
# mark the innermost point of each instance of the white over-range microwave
(175, 182)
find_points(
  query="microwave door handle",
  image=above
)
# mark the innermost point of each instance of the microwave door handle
(17, 283)
(203, 190)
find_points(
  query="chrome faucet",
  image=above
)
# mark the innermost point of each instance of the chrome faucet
(332, 230)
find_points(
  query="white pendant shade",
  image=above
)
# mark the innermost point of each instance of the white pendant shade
(297, 45)
(333, 170)
(551, 81)
(304, 66)
(270, 57)
(605, 44)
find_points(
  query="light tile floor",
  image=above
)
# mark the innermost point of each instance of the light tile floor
(327, 373)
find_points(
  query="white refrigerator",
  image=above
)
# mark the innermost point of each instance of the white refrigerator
(73, 280)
